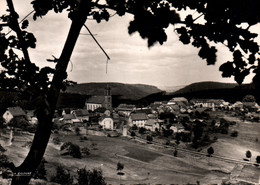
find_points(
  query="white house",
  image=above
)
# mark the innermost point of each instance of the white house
(107, 123)
(152, 124)
(13, 112)
(138, 119)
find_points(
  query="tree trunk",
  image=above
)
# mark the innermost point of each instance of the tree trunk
(25, 171)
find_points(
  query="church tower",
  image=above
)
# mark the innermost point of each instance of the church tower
(108, 98)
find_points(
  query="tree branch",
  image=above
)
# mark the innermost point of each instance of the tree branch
(17, 29)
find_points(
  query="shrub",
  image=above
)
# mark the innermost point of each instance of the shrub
(224, 131)
(82, 138)
(120, 167)
(3, 160)
(234, 133)
(6, 174)
(248, 154)
(258, 159)
(62, 177)
(19, 122)
(90, 177)
(2, 149)
(77, 130)
(134, 127)
(56, 140)
(94, 146)
(175, 153)
(149, 138)
(85, 150)
(133, 134)
(206, 138)
(40, 172)
(72, 149)
(142, 130)
(210, 151)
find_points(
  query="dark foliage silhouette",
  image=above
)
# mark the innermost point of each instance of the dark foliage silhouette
(218, 22)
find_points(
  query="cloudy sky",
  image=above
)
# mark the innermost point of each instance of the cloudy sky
(171, 64)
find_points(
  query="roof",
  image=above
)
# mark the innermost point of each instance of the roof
(207, 101)
(68, 116)
(81, 112)
(144, 110)
(16, 111)
(150, 122)
(126, 107)
(96, 99)
(175, 107)
(138, 116)
(177, 99)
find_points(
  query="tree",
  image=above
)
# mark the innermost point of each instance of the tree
(72, 149)
(85, 150)
(149, 138)
(248, 154)
(257, 159)
(142, 130)
(220, 23)
(120, 167)
(249, 98)
(133, 134)
(175, 153)
(234, 133)
(210, 151)
(77, 130)
(87, 177)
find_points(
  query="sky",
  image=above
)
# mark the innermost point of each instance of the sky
(170, 64)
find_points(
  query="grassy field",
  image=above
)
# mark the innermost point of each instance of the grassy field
(146, 164)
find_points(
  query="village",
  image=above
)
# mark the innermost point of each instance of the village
(174, 115)
(177, 128)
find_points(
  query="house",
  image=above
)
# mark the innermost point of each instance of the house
(178, 101)
(152, 124)
(238, 105)
(177, 128)
(116, 119)
(138, 119)
(106, 122)
(251, 106)
(174, 107)
(13, 112)
(207, 103)
(81, 114)
(95, 102)
(125, 109)
(69, 119)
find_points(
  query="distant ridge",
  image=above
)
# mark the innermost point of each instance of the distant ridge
(201, 86)
(124, 91)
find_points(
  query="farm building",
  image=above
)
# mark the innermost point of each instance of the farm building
(13, 112)
(138, 119)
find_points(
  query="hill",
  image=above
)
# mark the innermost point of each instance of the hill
(228, 91)
(171, 89)
(124, 91)
(202, 86)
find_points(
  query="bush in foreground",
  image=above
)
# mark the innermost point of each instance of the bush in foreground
(62, 177)
(87, 177)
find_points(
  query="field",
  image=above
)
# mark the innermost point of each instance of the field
(149, 164)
